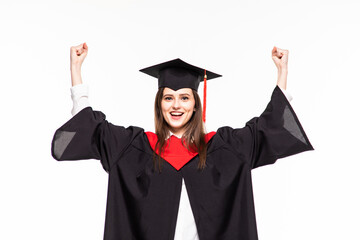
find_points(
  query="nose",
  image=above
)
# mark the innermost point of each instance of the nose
(176, 103)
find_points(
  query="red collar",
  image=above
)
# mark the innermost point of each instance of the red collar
(175, 153)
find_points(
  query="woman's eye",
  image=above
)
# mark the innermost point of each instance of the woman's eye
(185, 98)
(167, 98)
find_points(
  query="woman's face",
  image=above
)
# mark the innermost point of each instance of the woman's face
(177, 108)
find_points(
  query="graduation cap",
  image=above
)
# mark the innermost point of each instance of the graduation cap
(176, 74)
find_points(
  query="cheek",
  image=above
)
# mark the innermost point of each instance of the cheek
(190, 109)
(164, 107)
(191, 106)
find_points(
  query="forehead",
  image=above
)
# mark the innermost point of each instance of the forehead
(177, 92)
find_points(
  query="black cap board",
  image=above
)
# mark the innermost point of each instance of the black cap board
(176, 74)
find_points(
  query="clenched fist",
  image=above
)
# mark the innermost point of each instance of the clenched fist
(78, 54)
(280, 58)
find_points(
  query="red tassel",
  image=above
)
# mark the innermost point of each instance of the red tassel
(204, 98)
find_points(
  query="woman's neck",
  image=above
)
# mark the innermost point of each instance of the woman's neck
(176, 134)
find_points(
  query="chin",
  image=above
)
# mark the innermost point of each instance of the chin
(176, 127)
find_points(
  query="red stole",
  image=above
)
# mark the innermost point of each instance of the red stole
(175, 152)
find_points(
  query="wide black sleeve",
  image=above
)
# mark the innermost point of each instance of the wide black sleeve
(88, 135)
(275, 134)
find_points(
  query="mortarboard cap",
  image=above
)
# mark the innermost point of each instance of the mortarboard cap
(176, 74)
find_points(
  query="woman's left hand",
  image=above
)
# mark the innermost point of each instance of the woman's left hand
(280, 58)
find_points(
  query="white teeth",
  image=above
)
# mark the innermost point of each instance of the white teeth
(176, 114)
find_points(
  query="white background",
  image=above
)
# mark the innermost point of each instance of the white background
(314, 195)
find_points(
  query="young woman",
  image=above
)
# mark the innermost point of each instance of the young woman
(180, 182)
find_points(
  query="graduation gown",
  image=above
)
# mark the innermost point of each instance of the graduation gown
(142, 203)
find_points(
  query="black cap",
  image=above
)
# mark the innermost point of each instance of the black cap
(176, 74)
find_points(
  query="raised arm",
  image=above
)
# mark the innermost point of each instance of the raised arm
(77, 56)
(88, 135)
(280, 58)
(276, 133)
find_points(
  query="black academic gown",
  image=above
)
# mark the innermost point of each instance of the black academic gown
(142, 204)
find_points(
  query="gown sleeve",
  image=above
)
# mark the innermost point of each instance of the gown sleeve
(88, 135)
(276, 133)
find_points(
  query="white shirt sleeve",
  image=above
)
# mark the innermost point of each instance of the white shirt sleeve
(287, 94)
(80, 97)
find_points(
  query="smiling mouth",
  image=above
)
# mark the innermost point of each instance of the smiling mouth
(176, 114)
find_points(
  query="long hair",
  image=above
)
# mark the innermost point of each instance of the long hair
(193, 137)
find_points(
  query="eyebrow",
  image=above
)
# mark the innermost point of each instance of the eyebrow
(181, 94)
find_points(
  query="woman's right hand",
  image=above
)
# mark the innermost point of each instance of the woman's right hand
(78, 54)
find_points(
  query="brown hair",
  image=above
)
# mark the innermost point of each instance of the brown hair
(193, 137)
